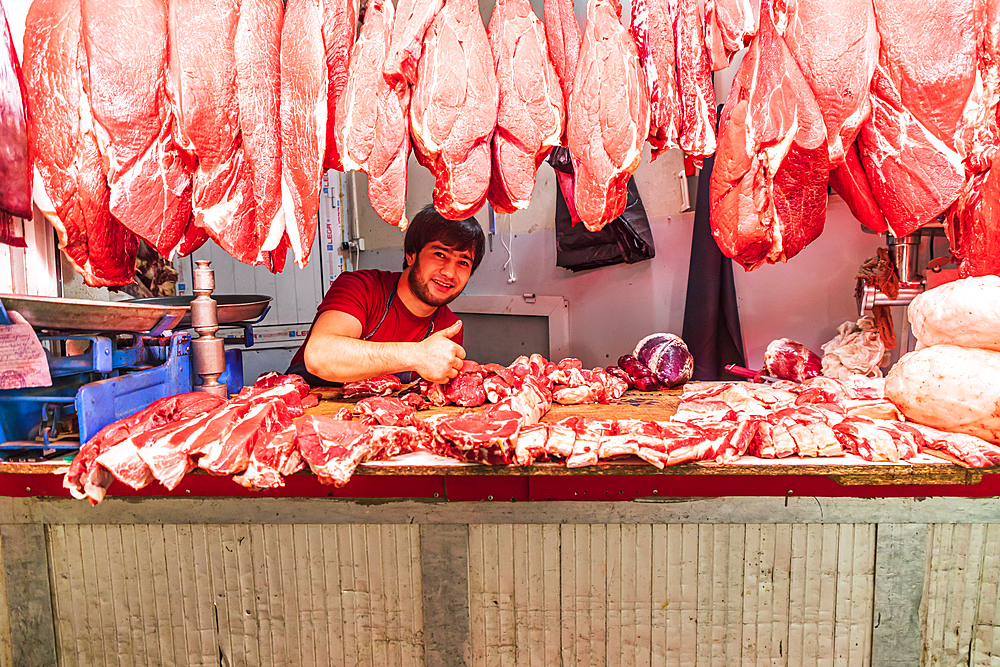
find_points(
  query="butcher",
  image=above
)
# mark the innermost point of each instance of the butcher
(374, 322)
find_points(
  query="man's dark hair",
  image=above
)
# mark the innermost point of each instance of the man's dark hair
(428, 226)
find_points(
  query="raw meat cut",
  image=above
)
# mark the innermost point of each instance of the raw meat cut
(531, 116)
(453, 111)
(258, 82)
(979, 135)
(203, 62)
(562, 36)
(68, 161)
(972, 450)
(333, 448)
(607, 116)
(340, 24)
(413, 18)
(652, 29)
(950, 388)
(963, 312)
(973, 225)
(791, 360)
(837, 47)
(135, 123)
(384, 411)
(768, 187)
(850, 181)
(729, 25)
(928, 55)
(271, 460)
(304, 98)
(372, 132)
(694, 80)
(16, 170)
(472, 436)
(383, 385)
(913, 174)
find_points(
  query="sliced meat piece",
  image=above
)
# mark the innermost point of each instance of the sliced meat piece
(652, 28)
(913, 174)
(271, 460)
(791, 360)
(850, 181)
(382, 385)
(562, 36)
(258, 83)
(694, 79)
(453, 111)
(414, 17)
(531, 116)
(384, 411)
(729, 25)
(202, 38)
(465, 389)
(304, 92)
(768, 187)
(148, 178)
(530, 444)
(607, 117)
(372, 131)
(340, 25)
(837, 48)
(333, 448)
(68, 161)
(480, 437)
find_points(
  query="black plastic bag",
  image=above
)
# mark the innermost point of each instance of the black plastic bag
(626, 239)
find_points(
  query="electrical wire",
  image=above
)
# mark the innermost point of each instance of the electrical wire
(511, 278)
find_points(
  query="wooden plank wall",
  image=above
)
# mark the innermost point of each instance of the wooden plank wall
(680, 594)
(190, 595)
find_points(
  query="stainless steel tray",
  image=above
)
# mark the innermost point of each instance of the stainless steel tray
(232, 308)
(53, 313)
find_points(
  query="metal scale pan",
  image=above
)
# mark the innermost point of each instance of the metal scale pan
(56, 314)
(231, 308)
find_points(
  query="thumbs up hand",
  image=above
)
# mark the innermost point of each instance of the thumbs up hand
(438, 358)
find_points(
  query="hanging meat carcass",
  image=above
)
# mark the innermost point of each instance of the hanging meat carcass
(372, 129)
(562, 36)
(768, 188)
(71, 187)
(729, 25)
(413, 18)
(340, 21)
(453, 110)
(652, 30)
(135, 123)
(850, 181)
(694, 79)
(608, 115)
(531, 115)
(16, 167)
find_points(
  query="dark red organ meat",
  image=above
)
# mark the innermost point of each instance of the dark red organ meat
(608, 116)
(372, 132)
(531, 117)
(790, 360)
(768, 188)
(453, 111)
(836, 46)
(652, 28)
(150, 183)
(67, 157)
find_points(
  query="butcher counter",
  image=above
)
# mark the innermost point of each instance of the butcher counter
(780, 562)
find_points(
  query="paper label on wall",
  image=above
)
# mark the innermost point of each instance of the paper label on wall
(22, 358)
(331, 225)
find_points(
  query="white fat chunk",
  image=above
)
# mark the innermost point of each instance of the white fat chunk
(963, 312)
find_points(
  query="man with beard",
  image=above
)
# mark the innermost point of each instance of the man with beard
(375, 322)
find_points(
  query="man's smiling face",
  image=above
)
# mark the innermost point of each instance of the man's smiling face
(438, 273)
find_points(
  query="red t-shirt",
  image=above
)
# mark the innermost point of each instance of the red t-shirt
(364, 295)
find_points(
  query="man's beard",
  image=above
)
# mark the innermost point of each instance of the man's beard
(421, 289)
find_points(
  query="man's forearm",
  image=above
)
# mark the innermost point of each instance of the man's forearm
(345, 359)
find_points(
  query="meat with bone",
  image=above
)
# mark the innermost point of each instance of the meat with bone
(333, 448)
(340, 25)
(531, 116)
(385, 411)
(791, 360)
(271, 460)
(694, 79)
(729, 25)
(652, 29)
(453, 111)
(587, 445)
(258, 81)
(472, 436)
(150, 186)
(973, 225)
(875, 440)
(836, 47)
(949, 388)
(562, 36)
(963, 312)
(203, 63)
(913, 174)
(413, 18)
(372, 133)
(768, 187)
(305, 79)
(67, 158)
(382, 385)
(977, 452)
(608, 115)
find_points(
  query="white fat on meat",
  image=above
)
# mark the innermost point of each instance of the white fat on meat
(963, 312)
